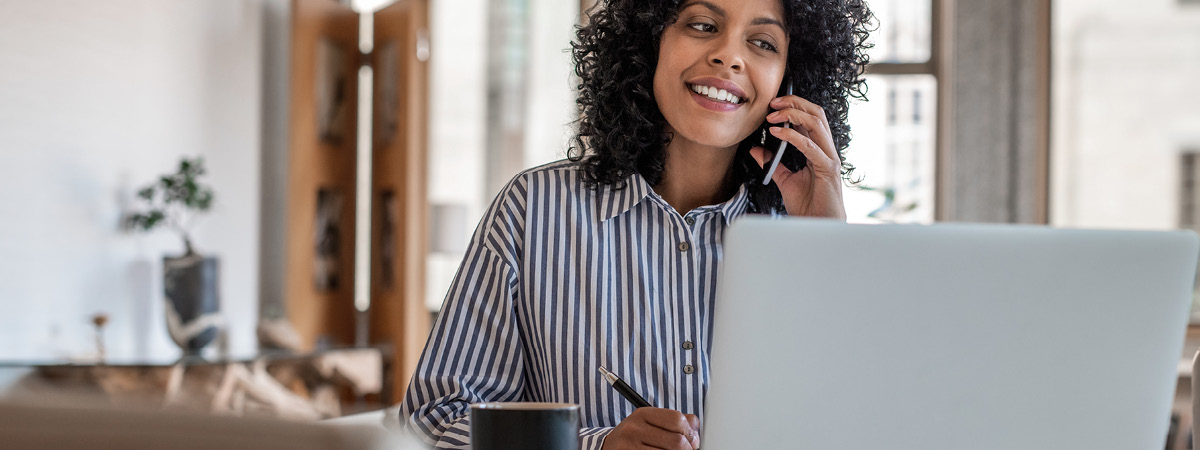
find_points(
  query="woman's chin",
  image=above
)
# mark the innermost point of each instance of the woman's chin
(717, 140)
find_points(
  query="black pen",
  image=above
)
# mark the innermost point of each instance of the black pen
(624, 389)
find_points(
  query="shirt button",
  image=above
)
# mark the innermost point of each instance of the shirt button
(687, 345)
(688, 369)
(689, 220)
(683, 246)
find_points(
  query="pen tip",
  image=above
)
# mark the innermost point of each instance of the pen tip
(608, 376)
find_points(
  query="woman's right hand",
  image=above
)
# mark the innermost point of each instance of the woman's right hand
(655, 428)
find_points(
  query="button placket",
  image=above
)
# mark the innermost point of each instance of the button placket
(688, 369)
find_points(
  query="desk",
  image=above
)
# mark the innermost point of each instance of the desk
(305, 386)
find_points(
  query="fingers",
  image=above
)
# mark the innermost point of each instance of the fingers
(818, 159)
(670, 429)
(809, 115)
(796, 102)
(816, 126)
(695, 423)
(667, 419)
(666, 441)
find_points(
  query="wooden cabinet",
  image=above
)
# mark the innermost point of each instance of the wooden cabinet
(401, 207)
(321, 163)
(322, 148)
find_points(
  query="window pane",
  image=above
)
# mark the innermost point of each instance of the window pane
(893, 150)
(1124, 114)
(904, 31)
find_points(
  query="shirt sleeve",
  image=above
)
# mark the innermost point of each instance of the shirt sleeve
(473, 354)
(592, 438)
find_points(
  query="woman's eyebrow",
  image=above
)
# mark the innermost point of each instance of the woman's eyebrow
(709, 5)
(767, 21)
(721, 12)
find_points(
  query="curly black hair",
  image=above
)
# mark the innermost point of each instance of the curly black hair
(620, 130)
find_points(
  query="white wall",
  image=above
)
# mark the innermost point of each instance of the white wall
(96, 99)
(1126, 82)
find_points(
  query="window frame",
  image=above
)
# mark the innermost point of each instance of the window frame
(934, 66)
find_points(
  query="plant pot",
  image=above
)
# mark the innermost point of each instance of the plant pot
(193, 307)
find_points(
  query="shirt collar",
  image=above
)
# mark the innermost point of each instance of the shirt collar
(616, 202)
(736, 206)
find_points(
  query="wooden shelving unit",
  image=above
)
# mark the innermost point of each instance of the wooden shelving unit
(325, 60)
(324, 33)
(401, 104)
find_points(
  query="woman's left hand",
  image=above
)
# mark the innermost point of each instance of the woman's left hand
(816, 189)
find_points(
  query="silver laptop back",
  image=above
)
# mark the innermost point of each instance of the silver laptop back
(834, 336)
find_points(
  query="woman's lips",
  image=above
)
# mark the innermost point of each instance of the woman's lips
(713, 105)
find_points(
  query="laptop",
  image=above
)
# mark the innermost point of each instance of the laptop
(834, 336)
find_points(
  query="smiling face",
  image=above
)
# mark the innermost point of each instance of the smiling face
(719, 66)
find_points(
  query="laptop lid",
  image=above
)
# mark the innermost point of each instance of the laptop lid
(835, 336)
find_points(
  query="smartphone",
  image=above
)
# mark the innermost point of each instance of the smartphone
(785, 153)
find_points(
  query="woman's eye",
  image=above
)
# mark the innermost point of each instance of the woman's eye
(703, 27)
(765, 45)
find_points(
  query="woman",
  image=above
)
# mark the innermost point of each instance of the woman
(610, 258)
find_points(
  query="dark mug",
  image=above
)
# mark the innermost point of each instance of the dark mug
(524, 426)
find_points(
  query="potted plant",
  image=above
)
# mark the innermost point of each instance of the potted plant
(189, 280)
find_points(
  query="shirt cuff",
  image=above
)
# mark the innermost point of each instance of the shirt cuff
(592, 438)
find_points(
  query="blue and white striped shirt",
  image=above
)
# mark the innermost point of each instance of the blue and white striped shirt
(560, 279)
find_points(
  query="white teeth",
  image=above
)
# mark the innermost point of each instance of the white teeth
(716, 94)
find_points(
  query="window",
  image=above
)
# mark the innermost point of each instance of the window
(893, 142)
(916, 107)
(1124, 101)
(891, 107)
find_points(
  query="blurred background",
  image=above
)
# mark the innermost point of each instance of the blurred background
(351, 147)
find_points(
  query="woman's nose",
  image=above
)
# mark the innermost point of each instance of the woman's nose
(727, 54)
(720, 62)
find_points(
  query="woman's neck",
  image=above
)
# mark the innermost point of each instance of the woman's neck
(696, 175)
